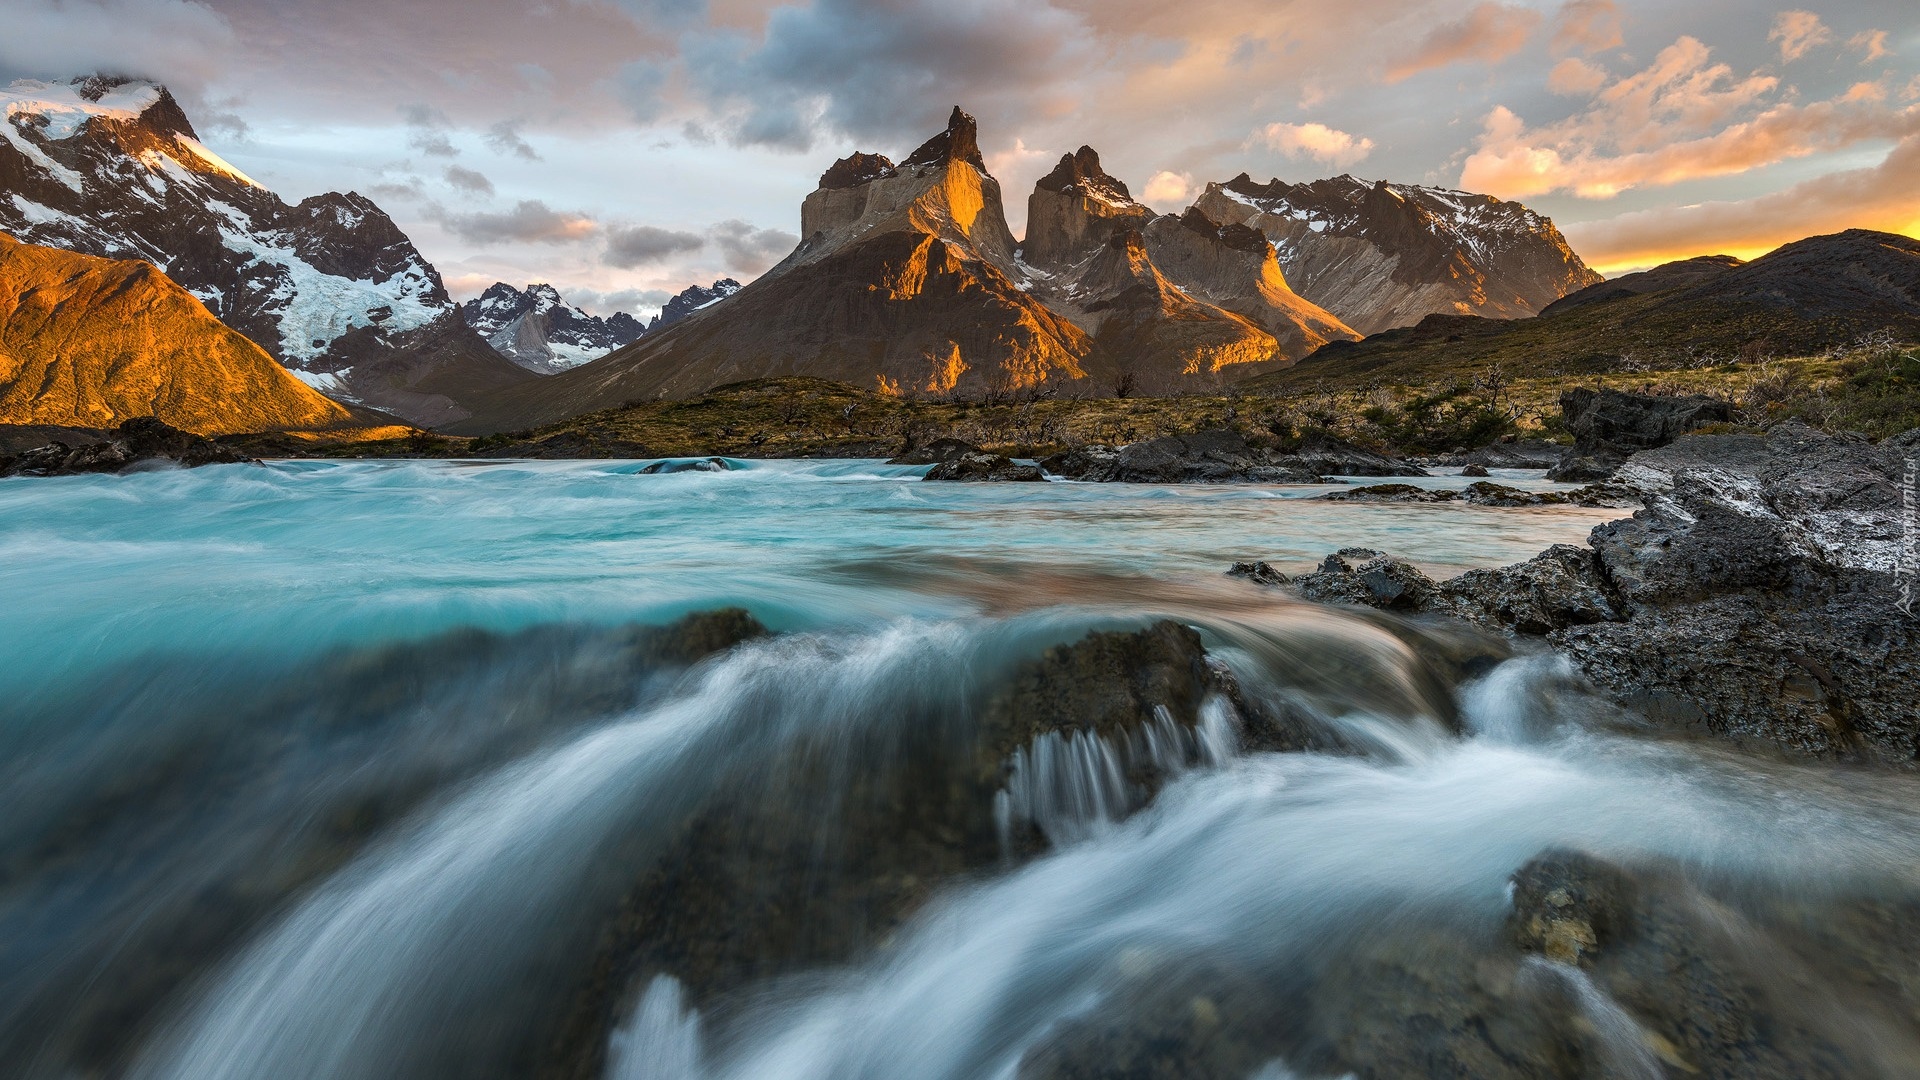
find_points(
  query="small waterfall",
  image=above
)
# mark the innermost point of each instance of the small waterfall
(661, 1041)
(1626, 1046)
(1076, 785)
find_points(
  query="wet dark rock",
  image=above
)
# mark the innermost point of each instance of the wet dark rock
(1487, 493)
(1609, 425)
(1474, 470)
(1518, 454)
(975, 466)
(142, 441)
(937, 452)
(1257, 572)
(1324, 454)
(1558, 588)
(1220, 456)
(1752, 599)
(1360, 576)
(712, 464)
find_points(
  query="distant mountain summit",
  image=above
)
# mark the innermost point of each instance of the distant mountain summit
(90, 342)
(691, 299)
(1382, 255)
(1168, 299)
(538, 330)
(329, 286)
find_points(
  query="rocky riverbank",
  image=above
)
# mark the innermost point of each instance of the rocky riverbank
(1753, 599)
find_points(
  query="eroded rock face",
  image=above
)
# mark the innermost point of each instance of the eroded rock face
(142, 441)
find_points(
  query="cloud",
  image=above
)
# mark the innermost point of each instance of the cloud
(179, 42)
(1683, 118)
(1488, 34)
(468, 180)
(1798, 32)
(749, 250)
(595, 302)
(1167, 188)
(637, 245)
(1587, 26)
(1871, 44)
(427, 130)
(529, 222)
(504, 138)
(888, 69)
(1316, 141)
(1879, 197)
(1574, 77)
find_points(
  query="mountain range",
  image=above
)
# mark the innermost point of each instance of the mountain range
(1801, 299)
(907, 278)
(329, 286)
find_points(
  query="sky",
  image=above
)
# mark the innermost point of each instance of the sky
(624, 149)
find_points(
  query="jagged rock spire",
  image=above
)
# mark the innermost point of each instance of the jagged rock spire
(1080, 172)
(855, 169)
(960, 142)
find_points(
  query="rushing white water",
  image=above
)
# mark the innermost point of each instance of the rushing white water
(336, 771)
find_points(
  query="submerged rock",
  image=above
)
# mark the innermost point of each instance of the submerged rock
(977, 466)
(142, 441)
(1257, 572)
(937, 452)
(712, 464)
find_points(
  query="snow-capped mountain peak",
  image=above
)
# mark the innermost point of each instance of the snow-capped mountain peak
(330, 286)
(537, 329)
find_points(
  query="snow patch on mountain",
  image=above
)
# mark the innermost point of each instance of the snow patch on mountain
(535, 328)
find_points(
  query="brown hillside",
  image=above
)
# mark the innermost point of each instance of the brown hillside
(89, 342)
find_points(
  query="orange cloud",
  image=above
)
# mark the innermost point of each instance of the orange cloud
(1798, 32)
(1316, 141)
(1587, 26)
(1489, 33)
(1882, 197)
(1574, 77)
(1871, 44)
(1683, 118)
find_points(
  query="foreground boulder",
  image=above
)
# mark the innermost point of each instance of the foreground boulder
(1609, 425)
(141, 441)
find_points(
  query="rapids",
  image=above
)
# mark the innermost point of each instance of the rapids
(327, 770)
